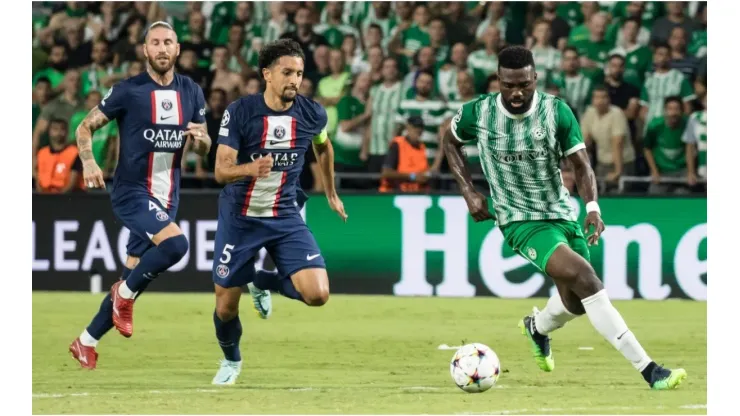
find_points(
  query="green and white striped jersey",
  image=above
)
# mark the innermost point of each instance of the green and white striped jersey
(433, 112)
(696, 132)
(384, 101)
(520, 154)
(546, 61)
(658, 86)
(471, 149)
(576, 90)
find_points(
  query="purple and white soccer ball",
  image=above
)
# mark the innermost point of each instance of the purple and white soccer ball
(475, 368)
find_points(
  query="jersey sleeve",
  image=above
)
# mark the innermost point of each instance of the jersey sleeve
(322, 120)
(568, 132)
(229, 133)
(199, 112)
(687, 91)
(689, 134)
(463, 124)
(114, 103)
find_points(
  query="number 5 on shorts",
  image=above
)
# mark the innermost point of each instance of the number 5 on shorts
(226, 254)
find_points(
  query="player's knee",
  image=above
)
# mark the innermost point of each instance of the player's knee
(317, 297)
(174, 248)
(587, 283)
(227, 311)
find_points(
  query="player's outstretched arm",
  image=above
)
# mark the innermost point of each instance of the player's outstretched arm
(227, 170)
(586, 183)
(325, 156)
(94, 120)
(477, 202)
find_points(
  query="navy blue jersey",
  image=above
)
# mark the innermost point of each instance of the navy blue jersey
(254, 130)
(152, 120)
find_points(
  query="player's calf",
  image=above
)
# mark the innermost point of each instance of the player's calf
(227, 323)
(313, 286)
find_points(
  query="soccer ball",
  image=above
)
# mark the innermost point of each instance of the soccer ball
(475, 368)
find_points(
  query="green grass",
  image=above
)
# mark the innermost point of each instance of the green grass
(357, 354)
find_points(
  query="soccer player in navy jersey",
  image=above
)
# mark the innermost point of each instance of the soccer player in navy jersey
(157, 112)
(262, 142)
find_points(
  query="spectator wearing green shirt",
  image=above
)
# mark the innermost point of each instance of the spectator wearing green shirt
(196, 39)
(380, 15)
(41, 97)
(384, 101)
(104, 140)
(361, 61)
(353, 117)
(634, 12)
(62, 107)
(374, 64)
(638, 59)
(423, 102)
(448, 73)
(665, 151)
(495, 18)
(580, 22)
(573, 84)
(594, 50)
(351, 49)
(410, 40)
(55, 67)
(335, 29)
(546, 58)
(698, 44)
(484, 62)
(100, 75)
(661, 84)
(695, 137)
(423, 61)
(243, 17)
(438, 40)
(332, 87)
(242, 59)
(125, 49)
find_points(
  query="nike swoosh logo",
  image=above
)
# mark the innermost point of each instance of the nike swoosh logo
(620, 337)
(165, 118)
(311, 257)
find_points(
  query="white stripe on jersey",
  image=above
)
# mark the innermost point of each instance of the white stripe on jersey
(166, 107)
(264, 194)
(160, 176)
(280, 133)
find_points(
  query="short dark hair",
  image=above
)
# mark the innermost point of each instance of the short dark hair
(58, 120)
(515, 57)
(217, 91)
(633, 20)
(617, 56)
(600, 88)
(426, 72)
(43, 80)
(659, 45)
(673, 98)
(275, 50)
(571, 49)
(375, 26)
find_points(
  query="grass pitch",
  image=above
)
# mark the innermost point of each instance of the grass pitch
(356, 355)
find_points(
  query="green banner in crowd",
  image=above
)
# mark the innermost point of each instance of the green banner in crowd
(653, 248)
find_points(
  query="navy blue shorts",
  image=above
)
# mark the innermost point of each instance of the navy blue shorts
(239, 238)
(144, 216)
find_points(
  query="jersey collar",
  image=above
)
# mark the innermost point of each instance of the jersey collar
(532, 108)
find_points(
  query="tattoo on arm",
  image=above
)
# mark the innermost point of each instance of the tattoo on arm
(94, 120)
(585, 178)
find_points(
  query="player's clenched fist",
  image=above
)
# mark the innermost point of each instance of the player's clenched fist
(261, 167)
(92, 174)
(478, 207)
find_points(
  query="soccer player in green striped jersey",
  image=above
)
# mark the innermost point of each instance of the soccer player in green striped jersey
(522, 135)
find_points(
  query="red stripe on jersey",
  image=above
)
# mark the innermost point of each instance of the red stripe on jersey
(292, 133)
(154, 118)
(249, 196)
(149, 172)
(279, 190)
(263, 142)
(179, 108)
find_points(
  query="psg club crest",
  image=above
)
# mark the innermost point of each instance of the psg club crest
(167, 105)
(222, 270)
(279, 132)
(162, 216)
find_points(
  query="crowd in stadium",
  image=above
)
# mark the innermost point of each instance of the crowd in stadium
(634, 74)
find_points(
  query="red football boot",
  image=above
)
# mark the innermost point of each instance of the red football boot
(123, 311)
(86, 356)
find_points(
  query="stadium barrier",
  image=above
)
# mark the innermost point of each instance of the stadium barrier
(406, 245)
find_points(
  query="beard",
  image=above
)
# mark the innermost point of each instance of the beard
(288, 95)
(520, 109)
(159, 67)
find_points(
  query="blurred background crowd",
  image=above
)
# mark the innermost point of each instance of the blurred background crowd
(634, 73)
